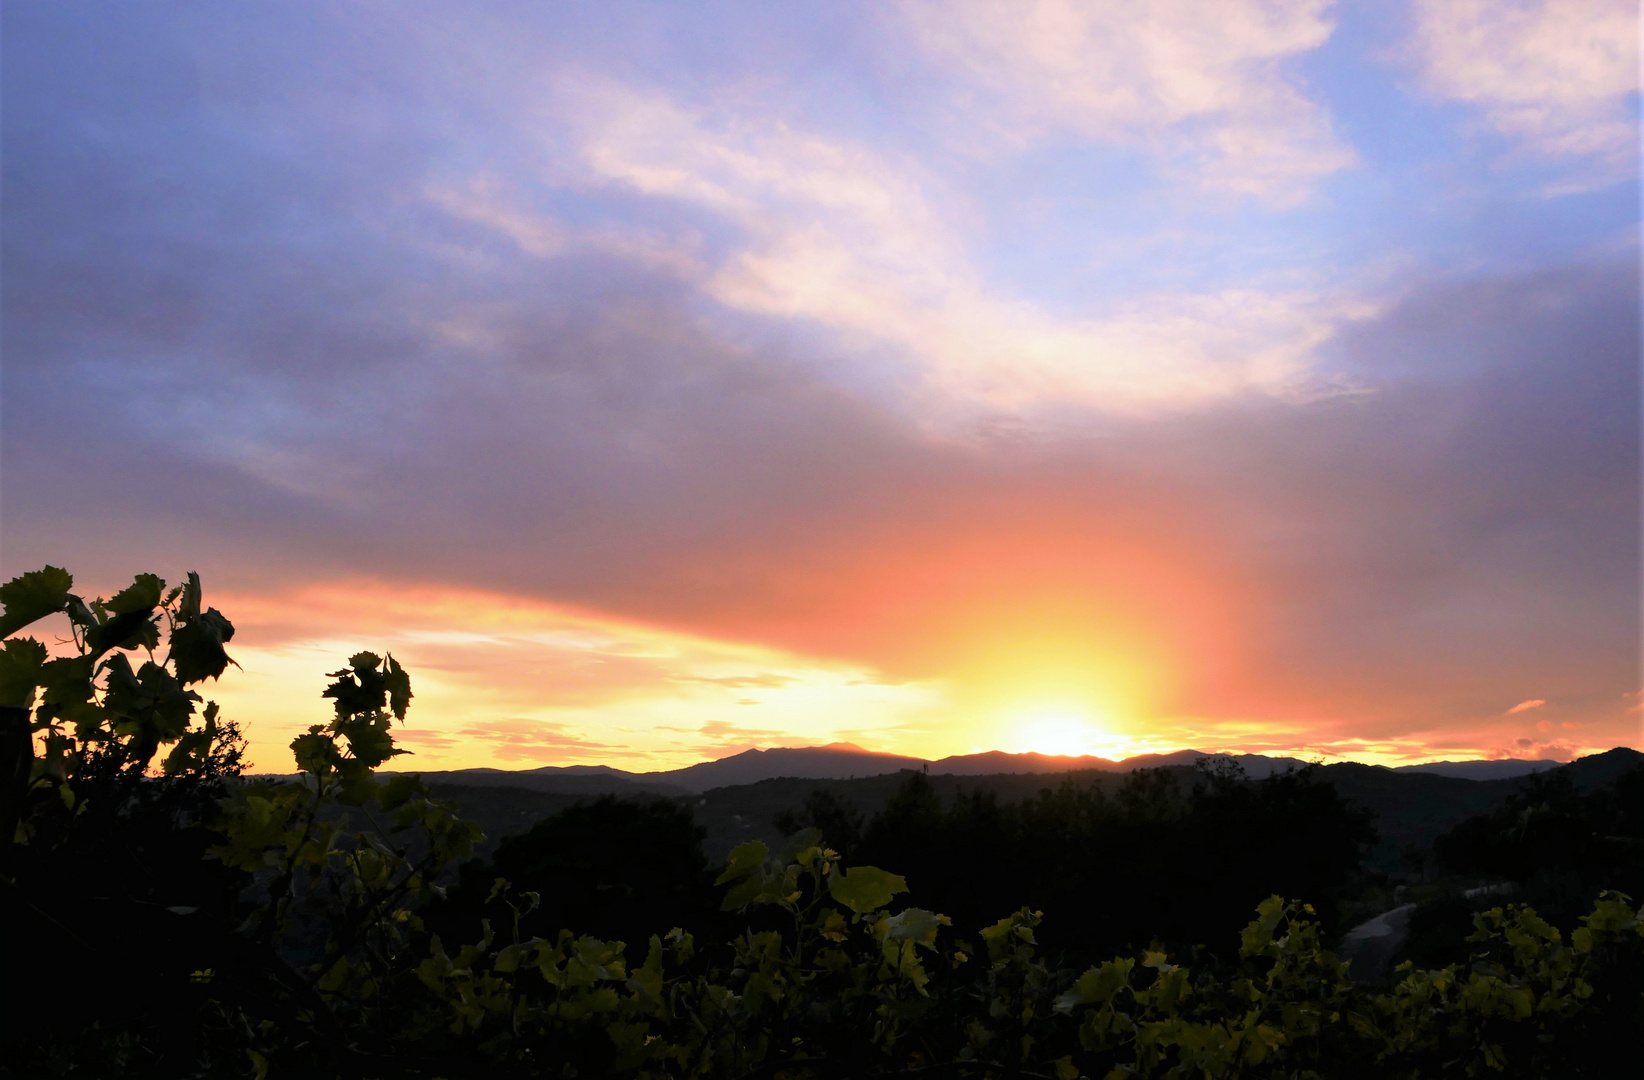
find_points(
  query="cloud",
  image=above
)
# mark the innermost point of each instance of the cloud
(1559, 77)
(722, 733)
(830, 233)
(744, 682)
(1532, 750)
(1525, 706)
(1204, 91)
(537, 740)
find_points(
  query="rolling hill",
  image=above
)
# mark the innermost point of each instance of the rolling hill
(836, 761)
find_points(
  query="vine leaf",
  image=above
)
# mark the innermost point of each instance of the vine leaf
(864, 888)
(20, 663)
(197, 646)
(915, 924)
(32, 596)
(142, 595)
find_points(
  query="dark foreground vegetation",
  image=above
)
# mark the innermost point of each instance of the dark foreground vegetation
(164, 916)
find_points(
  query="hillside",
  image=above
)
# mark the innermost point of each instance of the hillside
(836, 761)
(1411, 808)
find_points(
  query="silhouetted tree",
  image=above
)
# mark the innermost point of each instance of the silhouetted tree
(613, 868)
(1172, 855)
(839, 823)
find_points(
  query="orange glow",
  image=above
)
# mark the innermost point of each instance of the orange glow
(511, 682)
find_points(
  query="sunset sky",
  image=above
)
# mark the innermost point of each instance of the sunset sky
(660, 380)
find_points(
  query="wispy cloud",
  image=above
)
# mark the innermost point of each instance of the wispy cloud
(1558, 76)
(1525, 706)
(1204, 91)
(831, 233)
(524, 738)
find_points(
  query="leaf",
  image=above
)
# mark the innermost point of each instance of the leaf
(150, 701)
(798, 843)
(190, 606)
(368, 738)
(1257, 938)
(865, 888)
(20, 662)
(1098, 984)
(190, 749)
(129, 630)
(142, 595)
(32, 596)
(316, 752)
(355, 786)
(744, 860)
(359, 688)
(398, 684)
(402, 789)
(197, 647)
(66, 681)
(917, 925)
(79, 614)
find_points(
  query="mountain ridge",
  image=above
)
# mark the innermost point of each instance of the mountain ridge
(835, 761)
(1492, 769)
(841, 761)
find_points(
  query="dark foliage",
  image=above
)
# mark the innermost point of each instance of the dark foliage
(1439, 929)
(1549, 845)
(1174, 857)
(838, 822)
(109, 914)
(614, 868)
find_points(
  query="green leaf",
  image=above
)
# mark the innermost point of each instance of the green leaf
(20, 662)
(316, 752)
(402, 789)
(798, 843)
(79, 614)
(398, 684)
(197, 646)
(32, 596)
(66, 680)
(368, 738)
(150, 701)
(865, 888)
(360, 687)
(142, 595)
(1097, 985)
(1257, 937)
(917, 925)
(745, 859)
(129, 630)
(190, 606)
(355, 786)
(193, 750)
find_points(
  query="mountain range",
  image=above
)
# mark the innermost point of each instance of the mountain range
(840, 761)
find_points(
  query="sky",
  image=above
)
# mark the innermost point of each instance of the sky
(661, 380)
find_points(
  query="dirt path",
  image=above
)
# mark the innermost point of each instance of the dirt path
(1372, 944)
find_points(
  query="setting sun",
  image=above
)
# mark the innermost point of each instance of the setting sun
(1060, 734)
